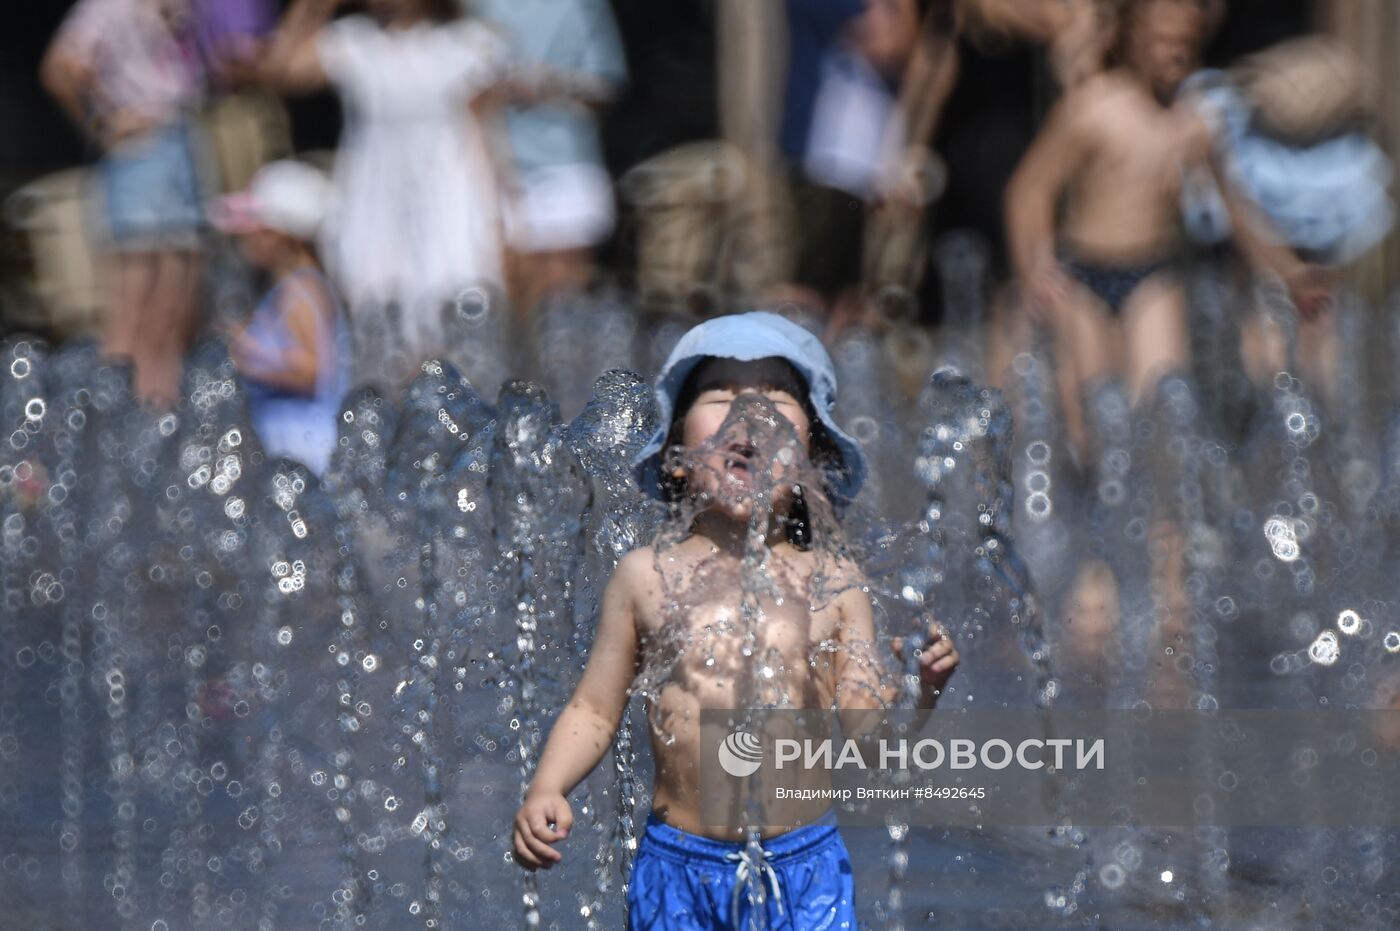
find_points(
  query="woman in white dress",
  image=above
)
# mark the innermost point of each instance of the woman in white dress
(418, 221)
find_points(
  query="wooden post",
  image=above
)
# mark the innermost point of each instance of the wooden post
(1372, 29)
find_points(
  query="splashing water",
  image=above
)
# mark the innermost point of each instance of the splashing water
(232, 695)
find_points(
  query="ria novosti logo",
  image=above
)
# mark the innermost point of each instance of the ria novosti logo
(740, 754)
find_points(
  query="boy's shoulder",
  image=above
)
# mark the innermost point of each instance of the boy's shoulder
(636, 569)
(1101, 97)
(634, 582)
(636, 560)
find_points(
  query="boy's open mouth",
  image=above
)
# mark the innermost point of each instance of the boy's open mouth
(738, 459)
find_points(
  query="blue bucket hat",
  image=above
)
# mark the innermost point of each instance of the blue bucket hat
(747, 338)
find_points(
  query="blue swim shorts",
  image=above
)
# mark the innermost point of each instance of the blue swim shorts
(685, 882)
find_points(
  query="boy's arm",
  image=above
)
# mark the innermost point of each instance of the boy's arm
(1080, 45)
(863, 691)
(1264, 252)
(861, 683)
(585, 729)
(1035, 190)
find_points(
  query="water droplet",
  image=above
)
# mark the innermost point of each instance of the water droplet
(1324, 650)
(1281, 534)
(1112, 876)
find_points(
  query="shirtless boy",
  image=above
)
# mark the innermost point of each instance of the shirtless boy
(1104, 278)
(677, 627)
(1113, 150)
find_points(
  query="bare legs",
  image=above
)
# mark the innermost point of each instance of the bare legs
(1093, 347)
(1155, 336)
(152, 317)
(133, 275)
(1264, 351)
(534, 277)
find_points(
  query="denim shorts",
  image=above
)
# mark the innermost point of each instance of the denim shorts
(685, 882)
(151, 190)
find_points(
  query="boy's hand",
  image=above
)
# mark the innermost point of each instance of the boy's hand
(938, 659)
(533, 831)
(1310, 288)
(1048, 289)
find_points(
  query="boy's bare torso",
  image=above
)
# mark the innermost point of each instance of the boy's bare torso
(1122, 205)
(695, 625)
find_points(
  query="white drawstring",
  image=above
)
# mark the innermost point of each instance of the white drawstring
(749, 865)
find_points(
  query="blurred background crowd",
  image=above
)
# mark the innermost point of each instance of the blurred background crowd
(1162, 228)
(377, 172)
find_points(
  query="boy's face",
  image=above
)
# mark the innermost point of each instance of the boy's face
(1165, 44)
(732, 434)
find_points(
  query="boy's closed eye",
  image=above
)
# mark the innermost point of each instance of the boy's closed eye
(778, 397)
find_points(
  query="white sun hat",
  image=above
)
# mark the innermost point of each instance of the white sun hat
(285, 196)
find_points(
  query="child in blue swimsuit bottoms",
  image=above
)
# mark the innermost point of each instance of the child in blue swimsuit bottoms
(1113, 284)
(753, 373)
(683, 880)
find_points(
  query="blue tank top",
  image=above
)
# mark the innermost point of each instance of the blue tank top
(300, 426)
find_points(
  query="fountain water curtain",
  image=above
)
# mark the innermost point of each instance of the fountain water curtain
(237, 695)
(971, 571)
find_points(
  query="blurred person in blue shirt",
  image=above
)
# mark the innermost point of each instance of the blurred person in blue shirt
(568, 64)
(293, 351)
